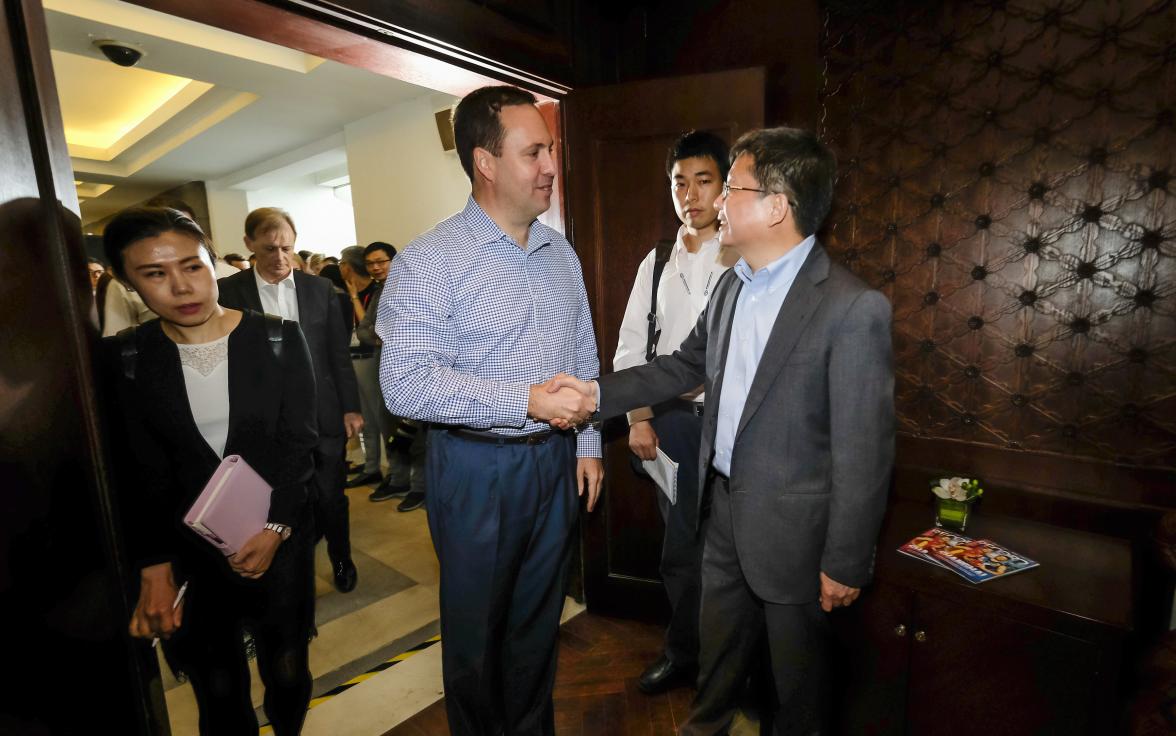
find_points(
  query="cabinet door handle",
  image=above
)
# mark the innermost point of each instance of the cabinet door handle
(900, 630)
(920, 636)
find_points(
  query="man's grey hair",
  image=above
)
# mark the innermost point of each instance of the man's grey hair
(352, 255)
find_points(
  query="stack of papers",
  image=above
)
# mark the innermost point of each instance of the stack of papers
(664, 471)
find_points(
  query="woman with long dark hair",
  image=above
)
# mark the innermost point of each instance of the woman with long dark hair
(200, 383)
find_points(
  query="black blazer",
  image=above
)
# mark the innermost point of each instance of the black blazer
(164, 462)
(814, 448)
(328, 336)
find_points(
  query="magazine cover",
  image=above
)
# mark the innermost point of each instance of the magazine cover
(975, 560)
(920, 547)
(980, 560)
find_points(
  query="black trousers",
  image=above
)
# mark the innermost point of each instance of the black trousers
(502, 518)
(209, 647)
(736, 624)
(679, 432)
(330, 497)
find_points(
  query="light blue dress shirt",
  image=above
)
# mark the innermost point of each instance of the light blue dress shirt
(759, 303)
(470, 320)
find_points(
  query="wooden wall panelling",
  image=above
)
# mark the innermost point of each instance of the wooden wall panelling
(1007, 179)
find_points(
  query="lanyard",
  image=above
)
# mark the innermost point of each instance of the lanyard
(705, 288)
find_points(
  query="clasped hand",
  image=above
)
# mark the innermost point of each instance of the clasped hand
(563, 401)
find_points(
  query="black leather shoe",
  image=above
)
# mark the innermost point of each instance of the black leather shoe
(346, 576)
(664, 675)
(364, 479)
(386, 491)
(413, 501)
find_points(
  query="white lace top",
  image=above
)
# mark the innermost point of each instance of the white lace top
(206, 376)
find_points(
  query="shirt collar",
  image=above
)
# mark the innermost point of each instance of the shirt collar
(487, 231)
(287, 282)
(778, 272)
(710, 247)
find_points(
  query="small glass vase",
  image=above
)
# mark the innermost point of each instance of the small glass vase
(951, 514)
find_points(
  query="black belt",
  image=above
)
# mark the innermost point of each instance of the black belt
(493, 438)
(361, 354)
(694, 407)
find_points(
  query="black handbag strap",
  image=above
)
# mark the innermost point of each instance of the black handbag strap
(129, 348)
(652, 334)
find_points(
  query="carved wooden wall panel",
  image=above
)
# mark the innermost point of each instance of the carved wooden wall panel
(1007, 178)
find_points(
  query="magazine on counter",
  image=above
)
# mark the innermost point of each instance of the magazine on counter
(975, 560)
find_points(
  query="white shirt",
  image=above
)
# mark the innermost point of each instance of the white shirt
(123, 308)
(280, 299)
(687, 281)
(206, 377)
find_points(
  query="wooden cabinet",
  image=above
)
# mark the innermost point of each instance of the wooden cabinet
(1038, 653)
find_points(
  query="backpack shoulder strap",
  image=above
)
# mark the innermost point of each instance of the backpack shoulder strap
(273, 330)
(661, 255)
(128, 348)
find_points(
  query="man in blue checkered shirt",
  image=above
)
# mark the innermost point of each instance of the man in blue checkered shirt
(475, 315)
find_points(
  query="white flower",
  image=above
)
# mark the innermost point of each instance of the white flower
(958, 493)
(941, 491)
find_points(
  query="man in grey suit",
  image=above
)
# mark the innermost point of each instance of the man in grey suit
(798, 433)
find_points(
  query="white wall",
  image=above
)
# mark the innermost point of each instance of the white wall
(326, 224)
(402, 182)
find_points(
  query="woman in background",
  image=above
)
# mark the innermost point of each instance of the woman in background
(200, 383)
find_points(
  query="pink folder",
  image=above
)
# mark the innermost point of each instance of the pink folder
(233, 506)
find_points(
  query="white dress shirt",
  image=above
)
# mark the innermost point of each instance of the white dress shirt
(687, 281)
(206, 378)
(280, 299)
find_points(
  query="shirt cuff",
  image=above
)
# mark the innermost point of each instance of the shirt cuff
(512, 404)
(588, 443)
(643, 414)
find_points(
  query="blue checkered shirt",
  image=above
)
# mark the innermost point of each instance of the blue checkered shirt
(470, 321)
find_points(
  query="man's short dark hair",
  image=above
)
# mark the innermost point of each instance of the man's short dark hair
(305, 255)
(795, 163)
(136, 223)
(233, 258)
(476, 122)
(388, 248)
(701, 144)
(92, 259)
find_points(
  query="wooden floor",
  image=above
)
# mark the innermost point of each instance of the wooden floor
(596, 685)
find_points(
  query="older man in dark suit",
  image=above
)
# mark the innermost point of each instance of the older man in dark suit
(273, 286)
(798, 433)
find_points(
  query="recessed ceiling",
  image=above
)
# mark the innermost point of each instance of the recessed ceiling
(202, 104)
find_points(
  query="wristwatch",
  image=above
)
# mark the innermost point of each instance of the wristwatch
(281, 530)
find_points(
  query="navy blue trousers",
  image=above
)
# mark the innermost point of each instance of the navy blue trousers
(502, 518)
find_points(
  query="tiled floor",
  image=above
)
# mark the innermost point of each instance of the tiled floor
(393, 608)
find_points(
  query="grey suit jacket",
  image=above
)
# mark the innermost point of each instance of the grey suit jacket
(811, 464)
(327, 335)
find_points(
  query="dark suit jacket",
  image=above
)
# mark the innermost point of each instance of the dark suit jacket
(327, 335)
(813, 453)
(164, 461)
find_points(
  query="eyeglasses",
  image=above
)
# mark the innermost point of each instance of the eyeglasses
(727, 188)
(377, 263)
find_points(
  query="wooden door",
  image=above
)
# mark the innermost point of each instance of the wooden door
(68, 664)
(619, 205)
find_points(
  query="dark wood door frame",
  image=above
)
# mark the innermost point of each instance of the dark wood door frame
(331, 31)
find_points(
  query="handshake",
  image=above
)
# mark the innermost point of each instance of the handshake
(562, 401)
